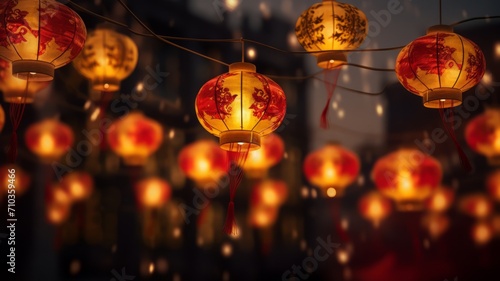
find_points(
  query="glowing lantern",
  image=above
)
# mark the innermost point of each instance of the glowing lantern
(204, 162)
(21, 179)
(2, 118)
(483, 135)
(476, 205)
(436, 224)
(408, 176)
(493, 185)
(135, 137)
(374, 207)
(332, 27)
(152, 192)
(78, 185)
(240, 107)
(38, 36)
(482, 233)
(440, 66)
(332, 168)
(269, 154)
(107, 59)
(16, 90)
(440, 200)
(57, 213)
(49, 139)
(262, 216)
(269, 193)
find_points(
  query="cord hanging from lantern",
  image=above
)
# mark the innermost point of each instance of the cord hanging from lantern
(16, 112)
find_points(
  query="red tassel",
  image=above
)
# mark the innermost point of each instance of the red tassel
(464, 160)
(230, 227)
(16, 111)
(333, 75)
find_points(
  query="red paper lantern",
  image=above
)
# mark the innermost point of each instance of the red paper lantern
(332, 168)
(49, 139)
(58, 205)
(263, 216)
(78, 185)
(152, 192)
(374, 207)
(21, 181)
(493, 185)
(436, 224)
(483, 135)
(476, 205)
(408, 176)
(38, 36)
(440, 66)
(135, 137)
(204, 162)
(16, 90)
(269, 154)
(269, 193)
(440, 200)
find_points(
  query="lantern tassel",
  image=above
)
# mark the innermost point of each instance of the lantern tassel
(16, 112)
(329, 75)
(230, 226)
(447, 123)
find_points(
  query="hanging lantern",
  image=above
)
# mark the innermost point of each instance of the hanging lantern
(374, 207)
(58, 204)
(49, 139)
(332, 27)
(269, 154)
(493, 185)
(78, 185)
(240, 107)
(21, 179)
(482, 233)
(483, 135)
(2, 118)
(263, 216)
(332, 168)
(38, 36)
(108, 58)
(204, 162)
(436, 224)
(152, 192)
(408, 176)
(16, 90)
(440, 200)
(135, 137)
(440, 66)
(476, 205)
(269, 193)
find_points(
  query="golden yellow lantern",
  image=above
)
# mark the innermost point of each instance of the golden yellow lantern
(135, 137)
(49, 139)
(152, 192)
(79, 185)
(332, 27)
(263, 216)
(440, 66)
(440, 200)
(16, 90)
(38, 36)
(240, 107)
(108, 58)
(408, 176)
(269, 154)
(482, 232)
(375, 207)
(269, 193)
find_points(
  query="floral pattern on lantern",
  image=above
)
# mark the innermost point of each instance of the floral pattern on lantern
(135, 137)
(21, 180)
(408, 176)
(152, 192)
(78, 185)
(440, 66)
(483, 135)
(374, 207)
(49, 139)
(334, 27)
(204, 162)
(14, 89)
(440, 200)
(493, 185)
(107, 59)
(476, 205)
(269, 154)
(240, 107)
(332, 168)
(38, 36)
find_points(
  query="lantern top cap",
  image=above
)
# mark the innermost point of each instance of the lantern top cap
(242, 66)
(439, 28)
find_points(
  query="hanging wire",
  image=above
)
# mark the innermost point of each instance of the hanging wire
(440, 12)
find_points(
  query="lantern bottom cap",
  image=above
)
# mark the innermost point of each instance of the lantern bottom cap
(409, 206)
(33, 70)
(19, 98)
(442, 98)
(239, 140)
(106, 85)
(331, 60)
